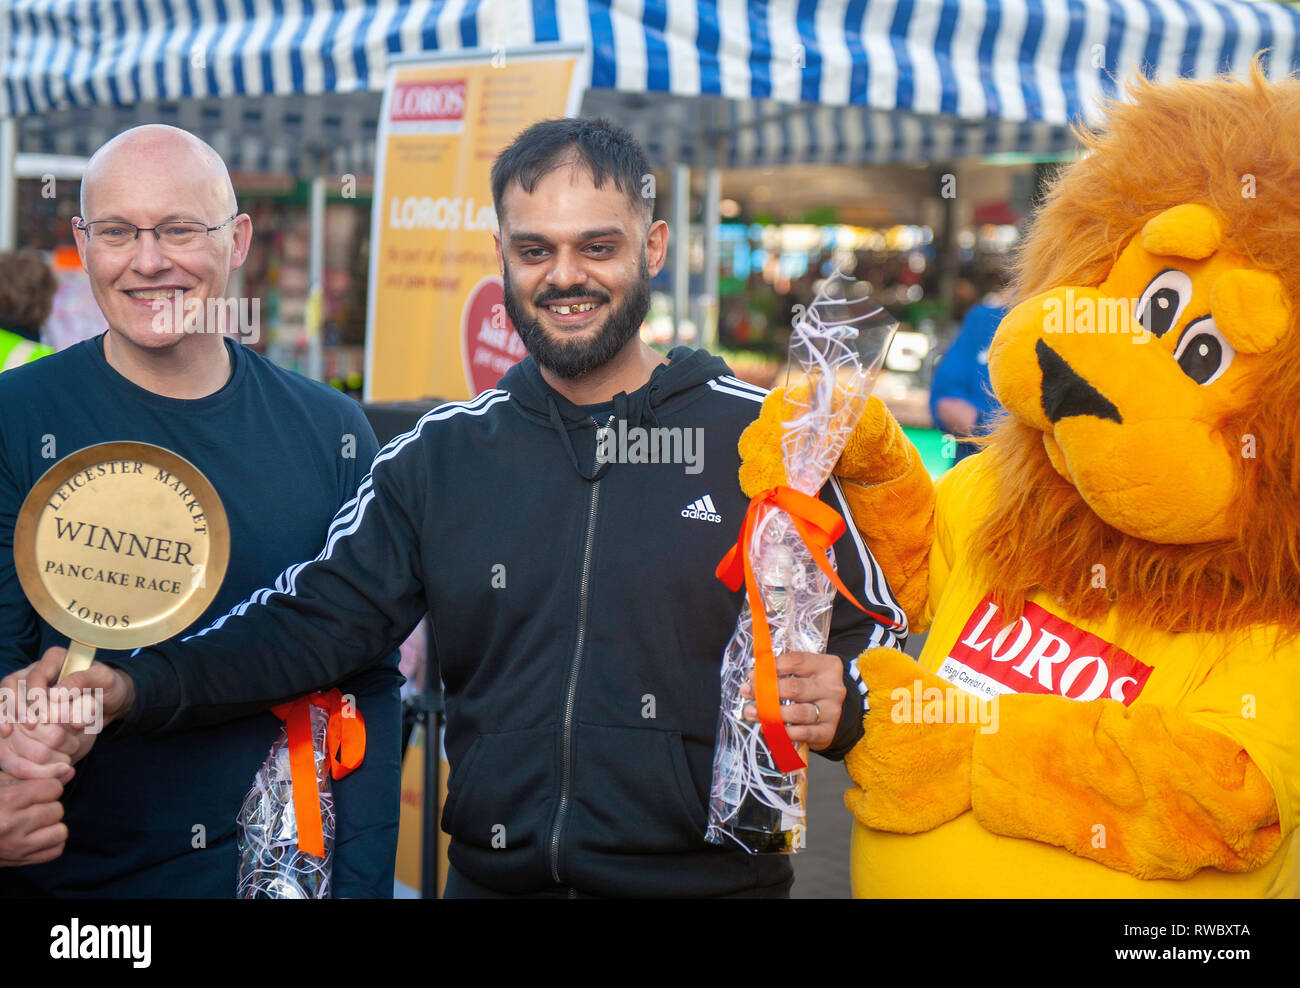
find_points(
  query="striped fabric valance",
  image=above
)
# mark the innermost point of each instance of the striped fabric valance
(967, 75)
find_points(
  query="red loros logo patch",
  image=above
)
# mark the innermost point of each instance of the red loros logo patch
(1039, 652)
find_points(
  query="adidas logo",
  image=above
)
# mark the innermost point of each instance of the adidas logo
(702, 509)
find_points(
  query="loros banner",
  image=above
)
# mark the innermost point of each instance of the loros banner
(436, 324)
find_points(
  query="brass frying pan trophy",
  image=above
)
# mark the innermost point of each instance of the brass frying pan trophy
(119, 546)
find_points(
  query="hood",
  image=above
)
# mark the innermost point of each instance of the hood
(576, 425)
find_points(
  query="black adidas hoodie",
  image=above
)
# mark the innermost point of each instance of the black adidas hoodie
(578, 622)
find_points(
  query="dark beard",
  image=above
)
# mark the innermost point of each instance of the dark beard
(570, 359)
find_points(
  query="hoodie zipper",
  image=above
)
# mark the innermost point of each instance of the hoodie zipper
(576, 665)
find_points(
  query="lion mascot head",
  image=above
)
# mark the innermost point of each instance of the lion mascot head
(1151, 370)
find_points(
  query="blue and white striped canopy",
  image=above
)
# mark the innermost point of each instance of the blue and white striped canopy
(753, 133)
(873, 79)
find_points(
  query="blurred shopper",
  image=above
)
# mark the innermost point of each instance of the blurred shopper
(27, 287)
(155, 817)
(961, 397)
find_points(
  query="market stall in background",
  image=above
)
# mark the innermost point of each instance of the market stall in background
(866, 96)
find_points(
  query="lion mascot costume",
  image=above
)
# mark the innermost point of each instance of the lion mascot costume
(1108, 701)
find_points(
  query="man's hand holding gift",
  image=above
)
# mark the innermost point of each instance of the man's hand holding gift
(815, 686)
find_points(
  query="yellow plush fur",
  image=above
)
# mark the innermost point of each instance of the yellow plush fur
(912, 775)
(1171, 796)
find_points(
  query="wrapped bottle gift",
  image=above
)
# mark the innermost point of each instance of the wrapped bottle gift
(784, 559)
(287, 821)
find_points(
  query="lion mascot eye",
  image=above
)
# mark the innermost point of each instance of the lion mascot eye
(1163, 301)
(1203, 353)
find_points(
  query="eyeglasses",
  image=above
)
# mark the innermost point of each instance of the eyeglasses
(180, 233)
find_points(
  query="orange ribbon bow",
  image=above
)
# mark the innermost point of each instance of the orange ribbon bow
(819, 525)
(345, 747)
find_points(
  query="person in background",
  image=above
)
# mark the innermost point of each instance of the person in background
(27, 287)
(961, 397)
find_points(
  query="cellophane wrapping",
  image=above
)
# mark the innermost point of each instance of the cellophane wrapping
(271, 865)
(753, 804)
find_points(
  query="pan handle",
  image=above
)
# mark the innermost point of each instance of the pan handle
(79, 657)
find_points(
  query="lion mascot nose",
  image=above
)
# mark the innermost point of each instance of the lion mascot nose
(1065, 393)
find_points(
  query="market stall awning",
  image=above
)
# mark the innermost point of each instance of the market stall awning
(765, 133)
(795, 80)
(297, 135)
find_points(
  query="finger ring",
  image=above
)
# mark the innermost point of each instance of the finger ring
(819, 713)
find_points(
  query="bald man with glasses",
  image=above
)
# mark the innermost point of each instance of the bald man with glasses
(160, 234)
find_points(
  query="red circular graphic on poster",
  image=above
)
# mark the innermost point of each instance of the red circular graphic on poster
(489, 344)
